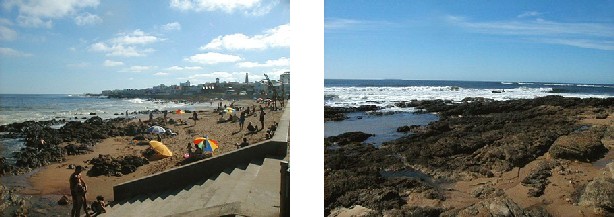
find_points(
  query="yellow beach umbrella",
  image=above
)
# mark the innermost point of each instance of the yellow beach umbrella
(160, 148)
(229, 110)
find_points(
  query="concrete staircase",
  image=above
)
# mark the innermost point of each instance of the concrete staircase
(245, 190)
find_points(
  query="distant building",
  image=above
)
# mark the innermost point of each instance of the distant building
(285, 78)
(246, 79)
(186, 84)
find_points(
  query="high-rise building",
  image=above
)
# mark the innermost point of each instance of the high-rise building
(246, 79)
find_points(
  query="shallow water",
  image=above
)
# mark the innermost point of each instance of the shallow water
(384, 126)
(10, 145)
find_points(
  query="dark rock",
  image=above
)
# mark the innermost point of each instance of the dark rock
(582, 146)
(601, 116)
(498, 206)
(411, 128)
(346, 138)
(109, 166)
(63, 200)
(599, 193)
(415, 211)
(538, 178)
(486, 191)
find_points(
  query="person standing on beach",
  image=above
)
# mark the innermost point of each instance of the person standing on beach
(242, 120)
(78, 188)
(150, 117)
(262, 118)
(165, 112)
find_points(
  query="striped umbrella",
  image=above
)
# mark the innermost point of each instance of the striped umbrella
(206, 144)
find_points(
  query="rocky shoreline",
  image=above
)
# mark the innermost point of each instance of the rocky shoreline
(475, 139)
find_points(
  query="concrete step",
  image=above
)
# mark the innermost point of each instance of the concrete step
(242, 188)
(222, 194)
(263, 197)
(228, 209)
(172, 202)
(199, 196)
(249, 189)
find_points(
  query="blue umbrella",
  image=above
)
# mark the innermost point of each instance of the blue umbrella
(156, 130)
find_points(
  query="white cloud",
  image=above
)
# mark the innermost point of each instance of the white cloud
(138, 68)
(126, 44)
(7, 34)
(272, 38)
(87, 19)
(249, 7)
(34, 22)
(161, 74)
(283, 61)
(171, 26)
(119, 50)
(213, 58)
(582, 43)
(584, 35)
(110, 63)
(187, 68)
(357, 25)
(10, 52)
(135, 37)
(529, 14)
(39, 13)
(5, 22)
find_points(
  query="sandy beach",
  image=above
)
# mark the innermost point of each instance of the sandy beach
(52, 180)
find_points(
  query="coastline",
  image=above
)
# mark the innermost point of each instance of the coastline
(50, 181)
(479, 155)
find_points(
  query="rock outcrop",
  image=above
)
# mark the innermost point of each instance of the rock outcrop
(584, 145)
(599, 193)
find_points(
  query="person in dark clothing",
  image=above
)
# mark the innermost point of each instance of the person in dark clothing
(98, 205)
(251, 128)
(262, 119)
(244, 143)
(194, 116)
(78, 188)
(242, 120)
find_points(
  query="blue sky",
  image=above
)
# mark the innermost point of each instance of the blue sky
(549, 41)
(79, 46)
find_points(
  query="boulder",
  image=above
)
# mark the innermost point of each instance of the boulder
(583, 146)
(538, 179)
(498, 206)
(346, 138)
(63, 200)
(599, 193)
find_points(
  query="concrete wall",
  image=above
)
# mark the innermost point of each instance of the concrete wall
(190, 174)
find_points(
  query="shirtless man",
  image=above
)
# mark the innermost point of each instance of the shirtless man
(77, 191)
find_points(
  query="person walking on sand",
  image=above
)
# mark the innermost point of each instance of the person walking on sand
(150, 116)
(78, 188)
(262, 119)
(242, 120)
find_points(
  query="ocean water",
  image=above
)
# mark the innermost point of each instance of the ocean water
(385, 93)
(41, 107)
